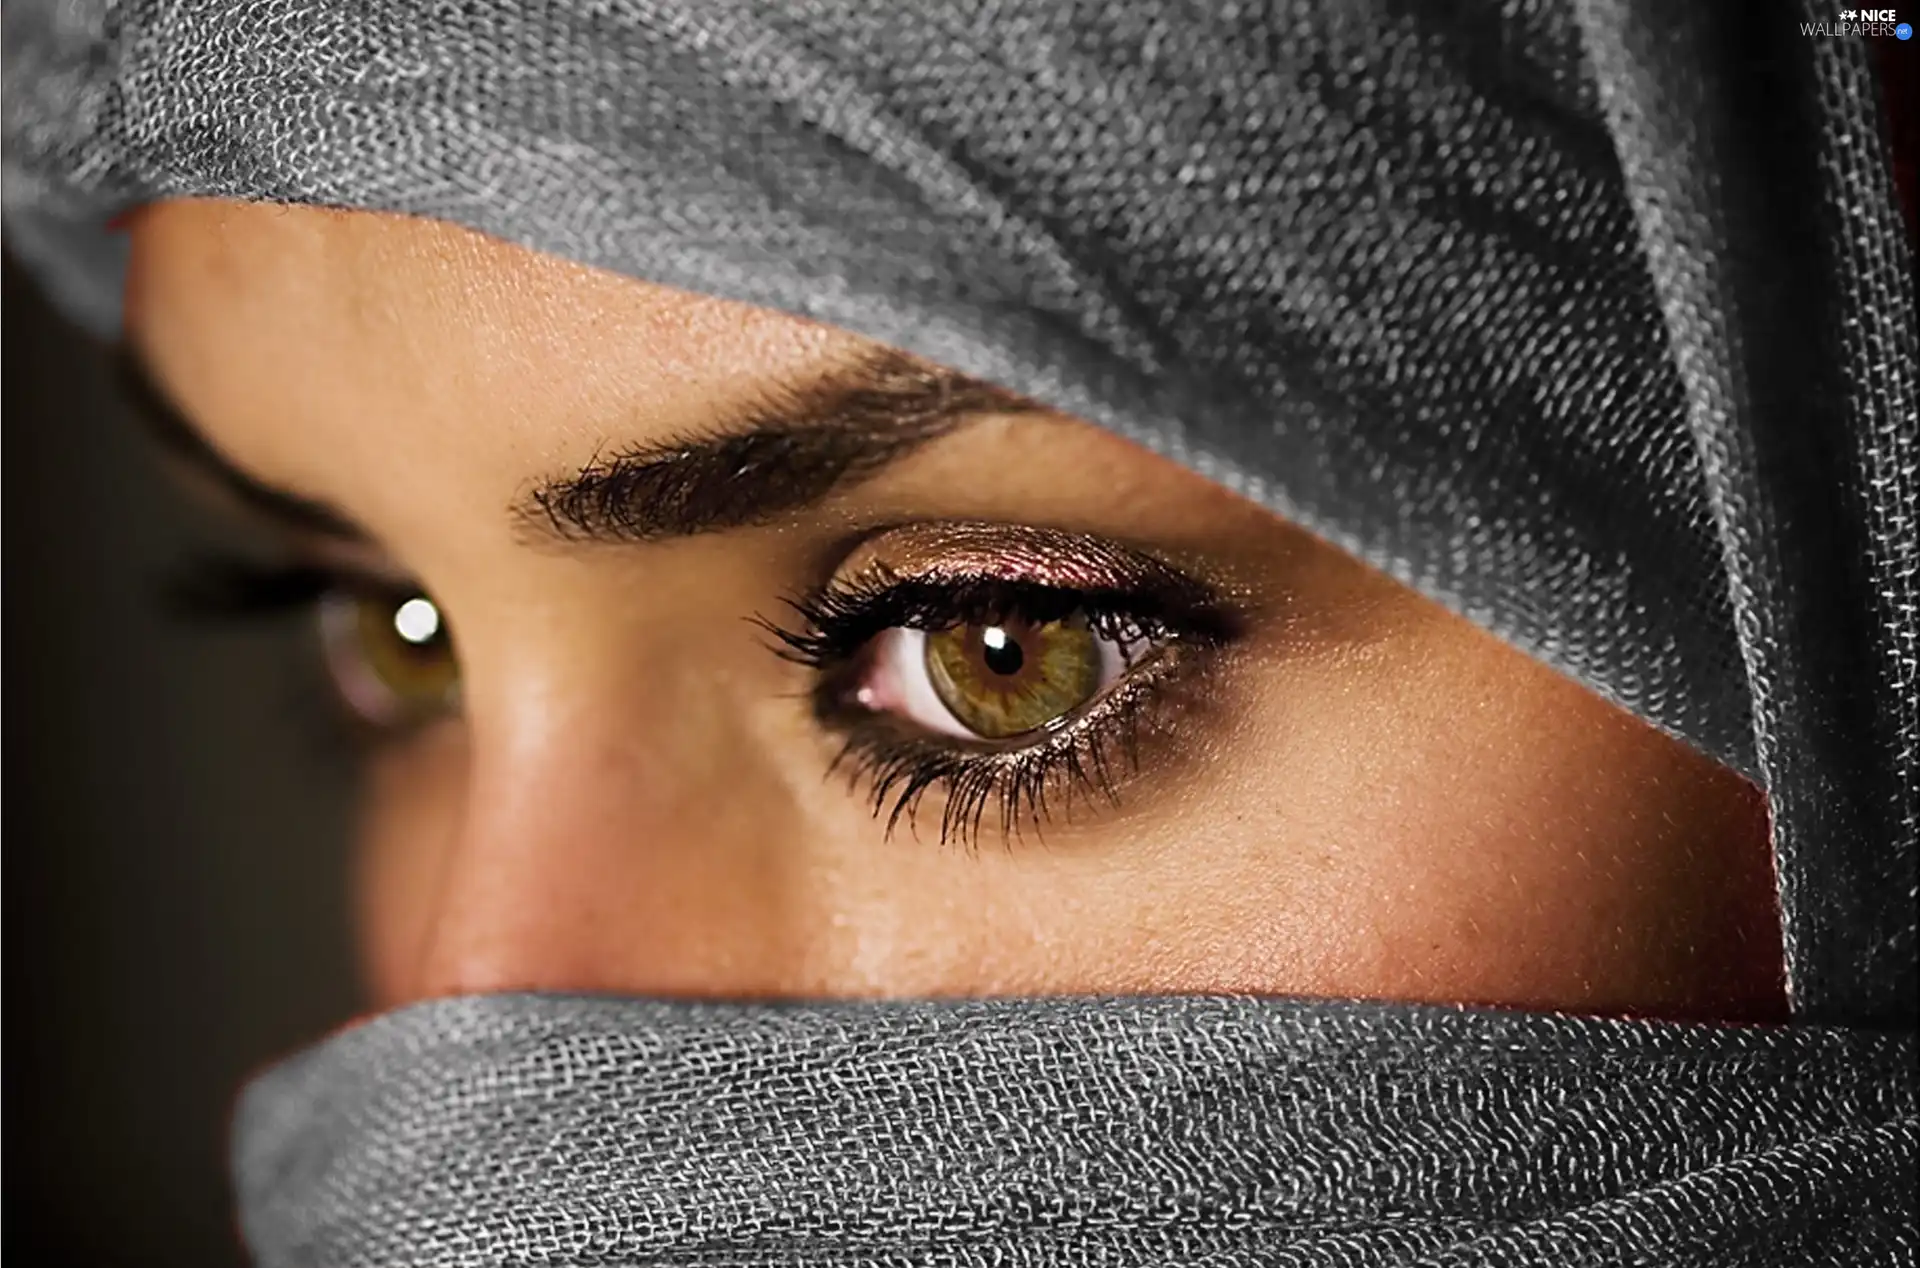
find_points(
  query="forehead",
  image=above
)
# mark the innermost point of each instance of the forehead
(310, 343)
(337, 304)
(264, 272)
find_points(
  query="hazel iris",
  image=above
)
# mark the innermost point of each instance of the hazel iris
(391, 655)
(1005, 679)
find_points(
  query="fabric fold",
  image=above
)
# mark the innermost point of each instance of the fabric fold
(1591, 320)
(540, 1129)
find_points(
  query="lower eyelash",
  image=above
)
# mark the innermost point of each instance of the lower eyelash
(1087, 757)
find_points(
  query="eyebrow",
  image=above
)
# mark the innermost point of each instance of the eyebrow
(788, 449)
(784, 452)
(185, 443)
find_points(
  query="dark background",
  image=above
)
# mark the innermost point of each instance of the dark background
(173, 826)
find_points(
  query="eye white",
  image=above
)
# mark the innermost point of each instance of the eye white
(898, 682)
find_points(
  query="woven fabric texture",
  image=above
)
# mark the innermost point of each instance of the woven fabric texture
(552, 1130)
(1591, 319)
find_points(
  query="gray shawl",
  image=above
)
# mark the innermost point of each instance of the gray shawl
(1591, 319)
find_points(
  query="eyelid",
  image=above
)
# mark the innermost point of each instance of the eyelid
(937, 551)
(889, 582)
(361, 564)
(911, 574)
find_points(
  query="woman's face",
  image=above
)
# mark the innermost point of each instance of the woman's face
(749, 659)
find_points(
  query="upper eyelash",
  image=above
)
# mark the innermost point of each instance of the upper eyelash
(838, 619)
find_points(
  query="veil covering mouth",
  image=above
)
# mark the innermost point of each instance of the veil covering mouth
(1593, 320)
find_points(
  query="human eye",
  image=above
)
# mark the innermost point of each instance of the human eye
(385, 644)
(1011, 671)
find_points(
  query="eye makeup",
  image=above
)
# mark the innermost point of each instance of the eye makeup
(1013, 674)
(1021, 611)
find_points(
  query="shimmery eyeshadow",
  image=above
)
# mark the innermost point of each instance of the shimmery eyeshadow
(1069, 561)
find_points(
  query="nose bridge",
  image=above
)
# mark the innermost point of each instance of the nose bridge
(588, 854)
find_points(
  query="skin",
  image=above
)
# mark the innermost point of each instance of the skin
(1369, 797)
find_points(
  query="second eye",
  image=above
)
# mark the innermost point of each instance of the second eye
(390, 656)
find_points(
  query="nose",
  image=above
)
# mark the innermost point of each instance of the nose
(579, 849)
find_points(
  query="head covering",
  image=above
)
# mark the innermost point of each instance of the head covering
(1591, 319)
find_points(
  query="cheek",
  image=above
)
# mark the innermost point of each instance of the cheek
(1426, 818)
(1446, 821)
(412, 804)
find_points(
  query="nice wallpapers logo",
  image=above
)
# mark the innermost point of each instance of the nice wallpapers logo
(1856, 22)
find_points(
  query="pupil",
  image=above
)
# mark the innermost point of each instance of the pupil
(1001, 654)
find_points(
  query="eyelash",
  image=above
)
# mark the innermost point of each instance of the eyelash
(901, 764)
(838, 623)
